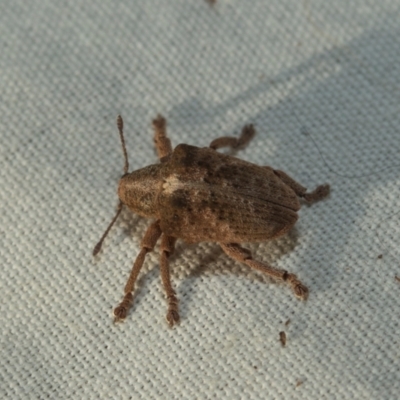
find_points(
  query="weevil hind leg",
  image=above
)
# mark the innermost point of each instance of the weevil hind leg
(161, 140)
(167, 248)
(150, 239)
(317, 194)
(248, 132)
(243, 255)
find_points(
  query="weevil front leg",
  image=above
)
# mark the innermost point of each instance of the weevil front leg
(150, 239)
(161, 140)
(239, 143)
(243, 255)
(317, 194)
(167, 248)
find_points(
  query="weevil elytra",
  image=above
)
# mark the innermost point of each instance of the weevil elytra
(200, 195)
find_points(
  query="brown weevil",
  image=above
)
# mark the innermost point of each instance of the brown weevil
(200, 195)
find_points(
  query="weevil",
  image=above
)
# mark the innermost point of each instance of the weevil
(200, 195)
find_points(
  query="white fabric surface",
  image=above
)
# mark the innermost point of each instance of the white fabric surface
(327, 68)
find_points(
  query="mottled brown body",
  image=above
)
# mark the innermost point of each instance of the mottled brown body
(197, 194)
(201, 195)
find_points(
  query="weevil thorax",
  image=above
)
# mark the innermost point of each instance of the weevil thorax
(138, 190)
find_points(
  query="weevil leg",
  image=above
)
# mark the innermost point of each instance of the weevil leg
(167, 248)
(150, 239)
(318, 194)
(161, 140)
(239, 143)
(243, 255)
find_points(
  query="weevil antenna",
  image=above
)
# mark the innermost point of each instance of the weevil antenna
(120, 124)
(97, 248)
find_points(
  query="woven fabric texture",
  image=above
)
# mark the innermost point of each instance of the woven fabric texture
(320, 82)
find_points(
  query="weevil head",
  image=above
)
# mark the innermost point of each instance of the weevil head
(138, 190)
